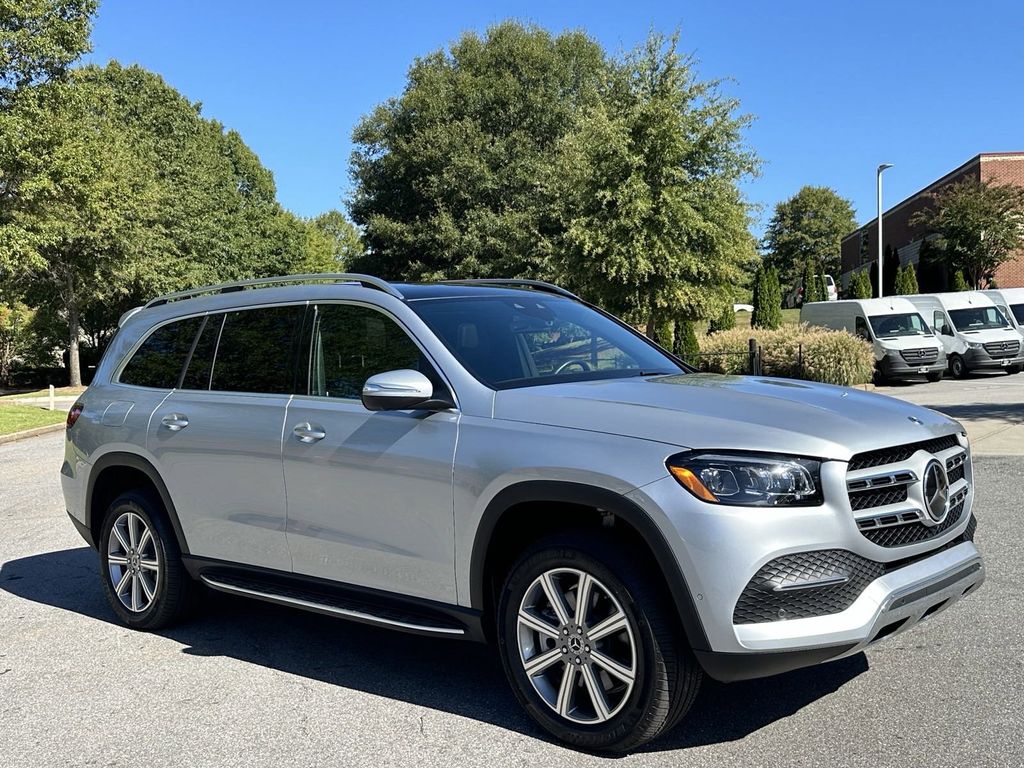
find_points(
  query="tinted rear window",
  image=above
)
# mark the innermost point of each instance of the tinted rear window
(200, 365)
(256, 352)
(158, 362)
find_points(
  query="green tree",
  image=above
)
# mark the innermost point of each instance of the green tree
(724, 321)
(684, 342)
(449, 177)
(655, 226)
(16, 335)
(978, 226)
(767, 298)
(959, 282)
(345, 242)
(906, 280)
(808, 227)
(811, 284)
(39, 40)
(860, 285)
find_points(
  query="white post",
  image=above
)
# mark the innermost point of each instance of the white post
(53, 406)
(878, 176)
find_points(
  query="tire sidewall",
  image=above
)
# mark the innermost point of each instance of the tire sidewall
(957, 367)
(565, 555)
(142, 506)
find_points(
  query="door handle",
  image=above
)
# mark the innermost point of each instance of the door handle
(309, 433)
(175, 421)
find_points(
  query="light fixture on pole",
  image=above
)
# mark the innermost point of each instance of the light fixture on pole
(878, 178)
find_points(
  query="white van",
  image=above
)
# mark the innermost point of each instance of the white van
(903, 342)
(973, 331)
(1011, 302)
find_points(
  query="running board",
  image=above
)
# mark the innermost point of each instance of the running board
(332, 605)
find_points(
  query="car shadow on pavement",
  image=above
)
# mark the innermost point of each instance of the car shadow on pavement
(1012, 413)
(463, 678)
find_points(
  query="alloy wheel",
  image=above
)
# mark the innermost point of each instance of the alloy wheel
(577, 645)
(133, 562)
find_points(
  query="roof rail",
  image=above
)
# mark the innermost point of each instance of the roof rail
(333, 277)
(537, 285)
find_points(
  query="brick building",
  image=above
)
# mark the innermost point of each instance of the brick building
(903, 241)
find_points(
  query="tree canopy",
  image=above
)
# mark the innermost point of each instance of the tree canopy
(39, 40)
(978, 226)
(808, 227)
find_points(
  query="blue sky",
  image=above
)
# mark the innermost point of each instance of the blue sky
(836, 88)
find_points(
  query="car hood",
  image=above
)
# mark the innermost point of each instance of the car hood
(909, 342)
(729, 412)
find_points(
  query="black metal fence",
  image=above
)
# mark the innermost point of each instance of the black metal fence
(751, 359)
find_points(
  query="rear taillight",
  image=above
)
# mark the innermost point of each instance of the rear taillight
(73, 414)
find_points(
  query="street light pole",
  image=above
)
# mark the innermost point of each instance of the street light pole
(878, 178)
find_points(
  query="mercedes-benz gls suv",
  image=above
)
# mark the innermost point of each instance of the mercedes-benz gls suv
(501, 461)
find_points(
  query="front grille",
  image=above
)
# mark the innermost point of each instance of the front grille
(901, 452)
(761, 601)
(916, 532)
(956, 473)
(1002, 348)
(877, 498)
(920, 356)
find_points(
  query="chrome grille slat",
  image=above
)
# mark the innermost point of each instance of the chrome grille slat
(1002, 348)
(920, 355)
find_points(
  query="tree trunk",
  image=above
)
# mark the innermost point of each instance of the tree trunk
(74, 330)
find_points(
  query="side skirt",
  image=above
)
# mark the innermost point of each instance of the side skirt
(384, 609)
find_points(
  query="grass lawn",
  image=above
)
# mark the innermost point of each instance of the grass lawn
(58, 392)
(789, 317)
(15, 418)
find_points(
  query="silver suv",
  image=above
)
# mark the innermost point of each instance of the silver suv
(500, 461)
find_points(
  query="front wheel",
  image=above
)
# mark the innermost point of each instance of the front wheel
(957, 367)
(591, 647)
(1011, 369)
(934, 376)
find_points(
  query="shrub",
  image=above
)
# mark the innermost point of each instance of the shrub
(767, 299)
(860, 286)
(684, 342)
(906, 281)
(831, 357)
(959, 284)
(726, 319)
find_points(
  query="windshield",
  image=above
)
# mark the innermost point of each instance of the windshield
(1018, 312)
(513, 341)
(903, 324)
(977, 319)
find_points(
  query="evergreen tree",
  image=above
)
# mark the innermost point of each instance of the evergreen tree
(860, 286)
(767, 299)
(959, 283)
(684, 342)
(810, 283)
(725, 321)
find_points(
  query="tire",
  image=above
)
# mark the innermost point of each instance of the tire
(1011, 369)
(934, 376)
(155, 588)
(878, 378)
(957, 367)
(648, 642)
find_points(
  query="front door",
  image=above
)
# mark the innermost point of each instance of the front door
(369, 493)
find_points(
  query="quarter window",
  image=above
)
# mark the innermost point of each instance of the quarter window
(200, 364)
(351, 343)
(862, 328)
(939, 321)
(256, 351)
(158, 362)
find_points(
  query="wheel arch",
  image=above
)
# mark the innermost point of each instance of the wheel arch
(590, 503)
(116, 472)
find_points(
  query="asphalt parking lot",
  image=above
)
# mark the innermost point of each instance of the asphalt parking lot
(246, 684)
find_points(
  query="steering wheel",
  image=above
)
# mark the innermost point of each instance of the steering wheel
(583, 365)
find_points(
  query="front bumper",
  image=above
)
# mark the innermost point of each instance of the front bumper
(720, 548)
(893, 364)
(979, 358)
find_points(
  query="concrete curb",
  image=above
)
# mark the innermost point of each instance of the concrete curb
(31, 433)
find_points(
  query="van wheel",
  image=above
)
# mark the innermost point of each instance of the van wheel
(957, 367)
(1013, 369)
(140, 563)
(590, 646)
(934, 376)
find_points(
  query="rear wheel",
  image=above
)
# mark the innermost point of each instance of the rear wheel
(140, 563)
(590, 646)
(957, 367)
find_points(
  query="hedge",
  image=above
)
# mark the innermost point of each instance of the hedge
(831, 357)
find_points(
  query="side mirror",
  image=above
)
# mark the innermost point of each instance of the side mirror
(401, 390)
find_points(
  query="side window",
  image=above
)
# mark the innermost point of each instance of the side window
(861, 326)
(352, 343)
(200, 365)
(158, 362)
(256, 351)
(939, 321)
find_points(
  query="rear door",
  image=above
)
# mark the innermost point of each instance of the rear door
(217, 438)
(369, 493)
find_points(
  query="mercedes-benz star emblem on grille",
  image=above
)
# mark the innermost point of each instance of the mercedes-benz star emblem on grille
(936, 490)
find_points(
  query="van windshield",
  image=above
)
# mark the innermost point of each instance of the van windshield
(902, 324)
(520, 341)
(977, 318)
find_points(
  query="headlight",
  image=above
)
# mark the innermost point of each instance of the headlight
(749, 480)
(973, 345)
